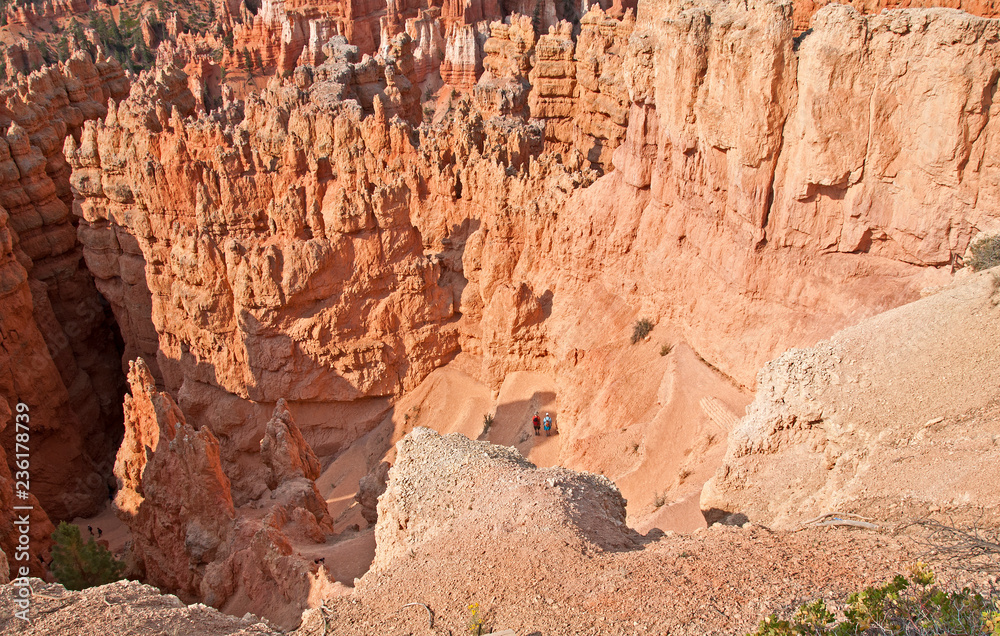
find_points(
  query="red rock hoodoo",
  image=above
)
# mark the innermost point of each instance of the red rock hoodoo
(187, 534)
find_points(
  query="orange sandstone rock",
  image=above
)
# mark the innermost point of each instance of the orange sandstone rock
(462, 62)
(172, 493)
(503, 87)
(553, 84)
(187, 535)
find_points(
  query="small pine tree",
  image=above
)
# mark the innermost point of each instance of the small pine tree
(78, 565)
(247, 61)
(62, 49)
(46, 53)
(77, 31)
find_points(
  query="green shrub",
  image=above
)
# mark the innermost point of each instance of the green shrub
(985, 253)
(666, 349)
(641, 329)
(78, 565)
(902, 607)
(487, 423)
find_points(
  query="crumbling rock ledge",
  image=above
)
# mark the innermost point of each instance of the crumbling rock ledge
(450, 487)
(139, 610)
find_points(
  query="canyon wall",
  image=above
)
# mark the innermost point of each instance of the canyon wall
(309, 245)
(58, 352)
(777, 216)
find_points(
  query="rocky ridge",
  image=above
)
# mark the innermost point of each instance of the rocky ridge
(140, 610)
(494, 484)
(545, 550)
(909, 397)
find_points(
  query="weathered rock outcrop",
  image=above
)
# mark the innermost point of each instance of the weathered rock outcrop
(58, 353)
(425, 31)
(457, 488)
(21, 56)
(286, 455)
(553, 83)
(135, 610)
(370, 488)
(463, 62)
(503, 87)
(602, 111)
(187, 535)
(172, 492)
(292, 471)
(893, 419)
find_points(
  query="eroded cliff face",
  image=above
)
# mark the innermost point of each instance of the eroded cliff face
(312, 245)
(289, 264)
(741, 210)
(57, 352)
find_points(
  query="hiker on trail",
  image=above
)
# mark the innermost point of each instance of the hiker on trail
(548, 424)
(537, 423)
